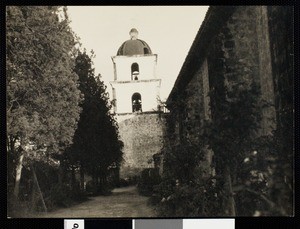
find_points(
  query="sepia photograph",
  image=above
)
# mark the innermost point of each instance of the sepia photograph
(150, 111)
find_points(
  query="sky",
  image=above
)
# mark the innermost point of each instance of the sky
(168, 30)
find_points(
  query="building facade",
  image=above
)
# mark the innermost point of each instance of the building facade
(239, 51)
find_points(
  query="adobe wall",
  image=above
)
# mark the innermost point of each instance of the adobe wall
(241, 54)
(247, 51)
(197, 112)
(142, 136)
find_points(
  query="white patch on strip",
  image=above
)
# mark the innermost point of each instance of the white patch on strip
(208, 223)
(74, 224)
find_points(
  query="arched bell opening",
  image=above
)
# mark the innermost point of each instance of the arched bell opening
(135, 71)
(136, 100)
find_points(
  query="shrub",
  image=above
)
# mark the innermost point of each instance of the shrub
(18, 208)
(175, 199)
(181, 160)
(149, 177)
(59, 195)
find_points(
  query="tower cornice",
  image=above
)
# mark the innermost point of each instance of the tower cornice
(133, 81)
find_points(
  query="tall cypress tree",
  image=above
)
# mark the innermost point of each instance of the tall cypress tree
(96, 145)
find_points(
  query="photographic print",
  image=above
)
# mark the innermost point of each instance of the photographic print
(149, 111)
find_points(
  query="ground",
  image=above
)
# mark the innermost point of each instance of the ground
(124, 202)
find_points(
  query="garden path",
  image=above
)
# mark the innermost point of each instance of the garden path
(124, 202)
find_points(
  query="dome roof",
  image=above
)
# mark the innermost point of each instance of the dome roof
(134, 46)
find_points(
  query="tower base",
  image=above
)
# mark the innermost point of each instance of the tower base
(142, 134)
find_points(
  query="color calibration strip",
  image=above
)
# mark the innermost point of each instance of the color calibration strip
(150, 224)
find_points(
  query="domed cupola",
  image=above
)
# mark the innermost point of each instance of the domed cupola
(135, 88)
(134, 46)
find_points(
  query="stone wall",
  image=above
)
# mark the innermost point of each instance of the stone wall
(142, 136)
(238, 76)
(239, 44)
(251, 48)
(197, 112)
(240, 56)
(282, 55)
(192, 114)
(193, 108)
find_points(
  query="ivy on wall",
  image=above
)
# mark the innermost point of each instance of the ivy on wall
(253, 172)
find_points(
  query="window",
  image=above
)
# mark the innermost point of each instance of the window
(146, 51)
(135, 71)
(136, 100)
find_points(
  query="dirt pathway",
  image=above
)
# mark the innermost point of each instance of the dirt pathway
(124, 202)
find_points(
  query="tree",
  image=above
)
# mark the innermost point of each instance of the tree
(42, 95)
(96, 145)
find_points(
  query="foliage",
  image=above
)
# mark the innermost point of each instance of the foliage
(96, 147)
(175, 199)
(181, 161)
(180, 192)
(267, 178)
(62, 195)
(147, 180)
(55, 193)
(253, 172)
(235, 119)
(257, 163)
(18, 208)
(42, 95)
(59, 196)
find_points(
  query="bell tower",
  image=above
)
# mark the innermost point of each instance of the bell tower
(135, 86)
(135, 94)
